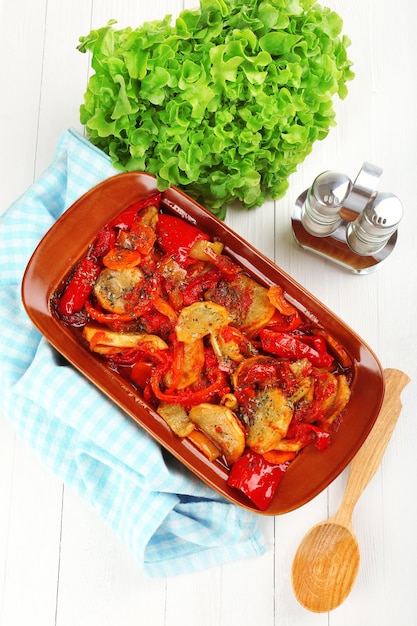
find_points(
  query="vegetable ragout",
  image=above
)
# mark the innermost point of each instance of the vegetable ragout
(228, 363)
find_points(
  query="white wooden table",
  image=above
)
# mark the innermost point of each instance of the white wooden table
(59, 563)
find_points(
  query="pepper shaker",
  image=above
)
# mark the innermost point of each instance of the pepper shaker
(320, 214)
(372, 229)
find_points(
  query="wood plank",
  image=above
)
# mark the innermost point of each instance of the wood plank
(102, 575)
(64, 75)
(31, 540)
(21, 42)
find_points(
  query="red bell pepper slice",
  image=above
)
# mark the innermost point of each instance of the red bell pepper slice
(128, 356)
(125, 219)
(110, 318)
(195, 288)
(187, 397)
(256, 478)
(79, 287)
(226, 266)
(260, 373)
(140, 373)
(104, 242)
(306, 433)
(284, 323)
(177, 363)
(176, 237)
(292, 347)
(318, 343)
(277, 297)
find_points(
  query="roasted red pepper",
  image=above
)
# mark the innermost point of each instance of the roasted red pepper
(125, 220)
(292, 347)
(226, 266)
(187, 397)
(195, 288)
(284, 323)
(256, 478)
(110, 318)
(260, 373)
(104, 242)
(307, 433)
(140, 373)
(176, 237)
(79, 287)
(319, 344)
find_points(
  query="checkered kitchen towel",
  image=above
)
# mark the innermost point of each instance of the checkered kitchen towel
(172, 522)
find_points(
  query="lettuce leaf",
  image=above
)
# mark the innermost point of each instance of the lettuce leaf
(225, 102)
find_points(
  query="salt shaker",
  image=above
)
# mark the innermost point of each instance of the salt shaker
(373, 227)
(320, 214)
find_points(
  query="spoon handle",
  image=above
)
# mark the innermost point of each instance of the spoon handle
(368, 458)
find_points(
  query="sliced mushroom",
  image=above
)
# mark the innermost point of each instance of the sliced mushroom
(246, 300)
(340, 400)
(114, 288)
(222, 426)
(101, 339)
(177, 419)
(200, 319)
(191, 366)
(270, 421)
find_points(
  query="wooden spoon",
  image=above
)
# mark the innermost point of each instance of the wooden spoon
(327, 561)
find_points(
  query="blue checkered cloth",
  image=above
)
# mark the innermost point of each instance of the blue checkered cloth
(171, 521)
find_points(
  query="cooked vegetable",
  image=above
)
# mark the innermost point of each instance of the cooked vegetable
(340, 401)
(177, 237)
(231, 366)
(125, 220)
(259, 369)
(225, 103)
(230, 343)
(198, 249)
(335, 347)
(287, 345)
(188, 396)
(200, 319)
(79, 287)
(177, 419)
(140, 373)
(256, 478)
(277, 297)
(188, 363)
(204, 444)
(122, 258)
(115, 288)
(246, 300)
(222, 426)
(99, 339)
(270, 420)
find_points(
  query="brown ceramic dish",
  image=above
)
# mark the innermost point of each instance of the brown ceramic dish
(66, 242)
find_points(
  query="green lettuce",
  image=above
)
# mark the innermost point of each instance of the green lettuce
(225, 103)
